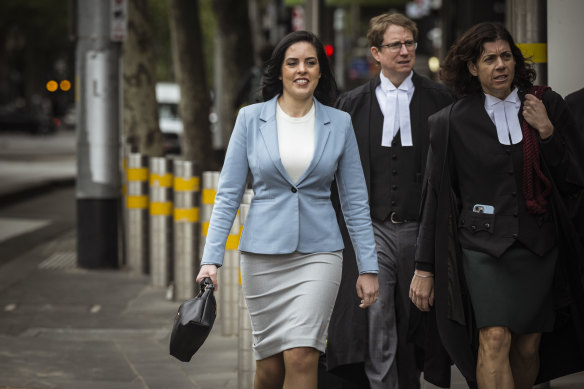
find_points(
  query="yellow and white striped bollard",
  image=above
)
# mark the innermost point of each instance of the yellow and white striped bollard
(137, 214)
(161, 212)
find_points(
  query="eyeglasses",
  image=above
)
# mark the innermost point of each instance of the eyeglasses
(396, 46)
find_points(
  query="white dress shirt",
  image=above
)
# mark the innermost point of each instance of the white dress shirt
(395, 107)
(504, 114)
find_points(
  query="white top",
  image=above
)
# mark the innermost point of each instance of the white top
(395, 107)
(295, 141)
(505, 116)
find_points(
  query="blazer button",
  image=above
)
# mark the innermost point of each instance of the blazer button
(515, 214)
(394, 156)
(394, 172)
(294, 190)
(515, 236)
(510, 172)
(393, 203)
(513, 194)
(394, 187)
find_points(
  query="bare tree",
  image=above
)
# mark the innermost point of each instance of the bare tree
(140, 110)
(187, 47)
(235, 56)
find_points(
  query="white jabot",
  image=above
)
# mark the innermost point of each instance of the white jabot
(504, 113)
(295, 141)
(395, 106)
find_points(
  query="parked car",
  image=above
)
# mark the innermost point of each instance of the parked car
(27, 117)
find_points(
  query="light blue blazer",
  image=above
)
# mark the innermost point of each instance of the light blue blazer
(287, 216)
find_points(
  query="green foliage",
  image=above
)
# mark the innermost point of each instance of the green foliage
(161, 36)
(158, 11)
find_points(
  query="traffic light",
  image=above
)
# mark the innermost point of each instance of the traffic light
(329, 50)
(53, 86)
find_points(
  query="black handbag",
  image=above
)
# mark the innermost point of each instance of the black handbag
(193, 323)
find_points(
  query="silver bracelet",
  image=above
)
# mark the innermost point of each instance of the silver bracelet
(421, 276)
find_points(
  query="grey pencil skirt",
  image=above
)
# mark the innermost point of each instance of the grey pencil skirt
(290, 299)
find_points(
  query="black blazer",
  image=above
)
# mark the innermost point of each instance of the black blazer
(429, 97)
(348, 326)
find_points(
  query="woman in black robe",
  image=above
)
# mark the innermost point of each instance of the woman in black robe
(497, 260)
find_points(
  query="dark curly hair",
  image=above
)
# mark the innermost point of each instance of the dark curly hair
(469, 48)
(326, 89)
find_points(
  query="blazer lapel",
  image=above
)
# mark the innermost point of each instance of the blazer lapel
(322, 131)
(269, 132)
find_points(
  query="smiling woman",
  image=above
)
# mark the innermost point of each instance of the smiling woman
(326, 88)
(300, 75)
(294, 145)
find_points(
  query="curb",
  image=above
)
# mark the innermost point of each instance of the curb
(27, 191)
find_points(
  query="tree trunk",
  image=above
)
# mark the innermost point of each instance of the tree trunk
(140, 111)
(234, 45)
(189, 67)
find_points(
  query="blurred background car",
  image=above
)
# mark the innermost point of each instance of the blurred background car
(33, 117)
(171, 126)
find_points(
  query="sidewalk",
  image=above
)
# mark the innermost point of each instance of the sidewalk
(62, 327)
(69, 328)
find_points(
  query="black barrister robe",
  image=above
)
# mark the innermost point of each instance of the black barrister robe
(347, 335)
(562, 351)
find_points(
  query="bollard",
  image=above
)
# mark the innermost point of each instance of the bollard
(209, 190)
(186, 229)
(125, 151)
(229, 293)
(137, 214)
(245, 359)
(161, 221)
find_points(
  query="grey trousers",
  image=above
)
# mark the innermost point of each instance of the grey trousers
(390, 362)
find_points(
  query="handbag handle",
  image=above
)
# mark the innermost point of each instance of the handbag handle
(207, 283)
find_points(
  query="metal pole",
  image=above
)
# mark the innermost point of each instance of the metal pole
(210, 183)
(137, 212)
(229, 293)
(339, 27)
(312, 16)
(527, 22)
(245, 358)
(98, 175)
(161, 211)
(186, 228)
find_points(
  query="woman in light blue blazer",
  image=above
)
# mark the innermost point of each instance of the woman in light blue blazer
(291, 247)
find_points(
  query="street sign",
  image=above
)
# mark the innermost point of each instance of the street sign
(118, 20)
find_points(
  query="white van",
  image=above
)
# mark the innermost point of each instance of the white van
(171, 126)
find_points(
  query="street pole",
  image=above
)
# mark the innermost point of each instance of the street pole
(339, 27)
(98, 113)
(527, 22)
(312, 15)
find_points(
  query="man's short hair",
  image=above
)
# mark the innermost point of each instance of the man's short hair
(379, 24)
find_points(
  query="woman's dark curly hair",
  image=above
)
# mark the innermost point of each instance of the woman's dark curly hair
(326, 89)
(470, 47)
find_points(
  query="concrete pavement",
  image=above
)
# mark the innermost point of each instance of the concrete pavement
(68, 328)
